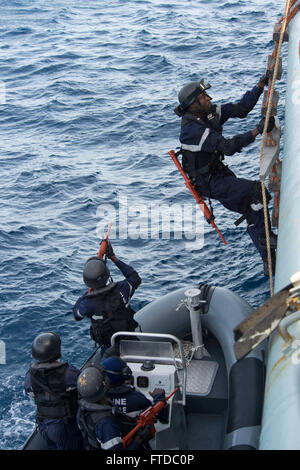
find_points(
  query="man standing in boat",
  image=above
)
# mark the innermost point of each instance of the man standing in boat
(53, 386)
(203, 148)
(107, 304)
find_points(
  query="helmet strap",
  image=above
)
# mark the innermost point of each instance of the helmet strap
(198, 110)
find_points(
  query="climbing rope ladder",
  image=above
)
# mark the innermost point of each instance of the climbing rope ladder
(270, 146)
(270, 164)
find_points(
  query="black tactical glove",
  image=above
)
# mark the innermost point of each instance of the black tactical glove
(260, 126)
(144, 434)
(109, 251)
(157, 392)
(264, 79)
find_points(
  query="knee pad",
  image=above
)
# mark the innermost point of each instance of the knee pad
(254, 200)
(256, 193)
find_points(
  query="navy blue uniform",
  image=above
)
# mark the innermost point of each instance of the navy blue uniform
(204, 147)
(132, 402)
(109, 308)
(58, 433)
(85, 307)
(128, 400)
(101, 428)
(109, 435)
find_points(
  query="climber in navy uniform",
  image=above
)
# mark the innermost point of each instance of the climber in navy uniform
(53, 386)
(101, 424)
(124, 396)
(203, 148)
(107, 304)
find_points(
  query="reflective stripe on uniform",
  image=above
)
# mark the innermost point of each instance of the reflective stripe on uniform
(197, 148)
(256, 207)
(111, 443)
(133, 414)
(123, 296)
(130, 288)
(78, 313)
(97, 317)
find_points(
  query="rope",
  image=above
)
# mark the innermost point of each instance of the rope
(263, 189)
(291, 13)
(188, 351)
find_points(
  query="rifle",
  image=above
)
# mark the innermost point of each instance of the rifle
(147, 417)
(207, 214)
(103, 246)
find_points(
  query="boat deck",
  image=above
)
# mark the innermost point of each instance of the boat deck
(207, 399)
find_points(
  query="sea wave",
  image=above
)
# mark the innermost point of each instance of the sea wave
(88, 118)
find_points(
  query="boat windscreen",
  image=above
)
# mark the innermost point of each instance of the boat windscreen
(147, 349)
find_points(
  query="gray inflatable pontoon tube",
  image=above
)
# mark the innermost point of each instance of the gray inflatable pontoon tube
(224, 310)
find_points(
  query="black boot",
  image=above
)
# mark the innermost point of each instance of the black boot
(273, 241)
(266, 266)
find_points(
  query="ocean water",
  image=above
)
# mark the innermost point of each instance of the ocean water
(86, 121)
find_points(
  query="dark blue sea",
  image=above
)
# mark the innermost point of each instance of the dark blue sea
(87, 119)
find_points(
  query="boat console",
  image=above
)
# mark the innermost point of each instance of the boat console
(154, 365)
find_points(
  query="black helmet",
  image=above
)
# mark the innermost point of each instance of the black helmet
(95, 273)
(92, 383)
(46, 347)
(117, 370)
(189, 93)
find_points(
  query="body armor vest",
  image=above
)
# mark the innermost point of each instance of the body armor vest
(200, 164)
(110, 315)
(48, 382)
(91, 414)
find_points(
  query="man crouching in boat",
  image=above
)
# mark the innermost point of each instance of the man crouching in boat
(203, 148)
(102, 426)
(107, 305)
